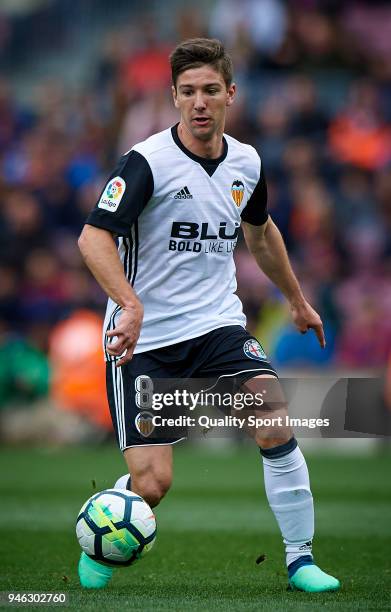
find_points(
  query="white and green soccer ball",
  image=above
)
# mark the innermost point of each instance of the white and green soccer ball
(116, 527)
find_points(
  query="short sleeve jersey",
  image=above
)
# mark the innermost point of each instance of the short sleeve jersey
(177, 218)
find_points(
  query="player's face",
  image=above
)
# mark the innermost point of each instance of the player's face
(202, 97)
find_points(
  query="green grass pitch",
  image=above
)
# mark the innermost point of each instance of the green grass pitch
(212, 526)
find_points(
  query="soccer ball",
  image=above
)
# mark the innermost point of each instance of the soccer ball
(116, 527)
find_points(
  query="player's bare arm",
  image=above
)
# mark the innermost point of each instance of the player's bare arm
(100, 254)
(266, 244)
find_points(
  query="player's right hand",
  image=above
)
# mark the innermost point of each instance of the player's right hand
(126, 333)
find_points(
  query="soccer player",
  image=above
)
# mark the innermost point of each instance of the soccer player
(175, 203)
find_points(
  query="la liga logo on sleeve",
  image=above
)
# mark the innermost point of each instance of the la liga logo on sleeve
(112, 194)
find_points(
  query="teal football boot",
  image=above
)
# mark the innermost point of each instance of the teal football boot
(93, 575)
(311, 579)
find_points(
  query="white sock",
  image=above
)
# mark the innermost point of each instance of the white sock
(123, 482)
(288, 491)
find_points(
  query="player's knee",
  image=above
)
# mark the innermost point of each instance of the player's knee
(152, 487)
(268, 443)
(152, 492)
(269, 438)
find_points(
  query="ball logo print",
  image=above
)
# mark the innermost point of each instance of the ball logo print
(116, 527)
(254, 350)
(237, 192)
(112, 194)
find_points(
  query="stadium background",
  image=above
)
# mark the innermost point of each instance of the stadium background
(80, 83)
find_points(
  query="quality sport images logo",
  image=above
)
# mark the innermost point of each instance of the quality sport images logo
(112, 194)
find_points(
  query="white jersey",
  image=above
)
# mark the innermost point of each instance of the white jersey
(177, 218)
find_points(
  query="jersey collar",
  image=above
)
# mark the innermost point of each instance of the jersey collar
(209, 165)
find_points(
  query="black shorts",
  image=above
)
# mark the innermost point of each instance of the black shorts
(224, 352)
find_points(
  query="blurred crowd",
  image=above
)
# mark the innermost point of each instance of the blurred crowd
(314, 99)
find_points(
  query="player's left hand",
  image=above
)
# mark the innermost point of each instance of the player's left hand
(305, 318)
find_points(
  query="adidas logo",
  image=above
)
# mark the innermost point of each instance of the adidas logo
(183, 194)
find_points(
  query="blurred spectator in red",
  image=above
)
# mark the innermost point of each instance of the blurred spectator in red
(147, 69)
(360, 135)
(78, 376)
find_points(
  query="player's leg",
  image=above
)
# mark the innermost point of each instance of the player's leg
(151, 471)
(232, 353)
(288, 489)
(149, 464)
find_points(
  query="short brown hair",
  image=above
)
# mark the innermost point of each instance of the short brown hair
(196, 52)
